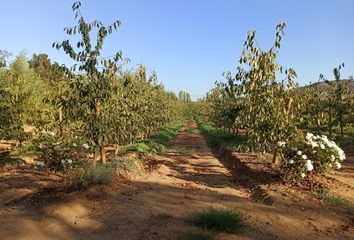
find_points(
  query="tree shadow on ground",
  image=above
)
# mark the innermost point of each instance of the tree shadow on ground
(6, 160)
(132, 212)
(142, 211)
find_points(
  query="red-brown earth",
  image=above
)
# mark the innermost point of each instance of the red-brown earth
(156, 204)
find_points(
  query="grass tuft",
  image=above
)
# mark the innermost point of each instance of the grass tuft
(89, 175)
(333, 200)
(220, 220)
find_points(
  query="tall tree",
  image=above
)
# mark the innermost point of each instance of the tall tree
(91, 86)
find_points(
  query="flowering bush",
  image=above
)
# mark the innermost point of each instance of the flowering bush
(312, 154)
(60, 154)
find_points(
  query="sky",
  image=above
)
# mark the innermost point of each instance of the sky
(190, 43)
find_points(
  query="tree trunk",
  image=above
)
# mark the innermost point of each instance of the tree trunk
(60, 114)
(103, 154)
(275, 157)
(96, 157)
(61, 119)
(330, 122)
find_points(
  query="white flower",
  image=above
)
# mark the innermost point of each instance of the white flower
(342, 157)
(302, 175)
(309, 165)
(299, 153)
(39, 163)
(326, 140)
(51, 133)
(294, 148)
(309, 136)
(70, 161)
(322, 146)
(314, 144)
(40, 146)
(291, 161)
(329, 144)
(74, 145)
(62, 161)
(86, 146)
(333, 157)
(338, 165)
(304, 156)
(280, 143)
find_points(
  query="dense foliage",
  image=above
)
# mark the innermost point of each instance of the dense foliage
(74, 112)
(264, 101)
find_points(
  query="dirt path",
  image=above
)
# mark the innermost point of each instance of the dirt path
(156, 205)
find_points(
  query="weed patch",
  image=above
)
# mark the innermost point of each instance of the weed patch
(157, 142)
(219, 220)
(333, 200)
(217, 137)
(90, 175)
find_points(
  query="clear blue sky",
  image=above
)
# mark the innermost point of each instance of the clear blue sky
(190, 43)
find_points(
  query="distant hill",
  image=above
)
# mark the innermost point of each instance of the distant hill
(325, 87)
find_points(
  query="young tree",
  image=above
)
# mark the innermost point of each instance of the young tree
(314, 111)
(338, 102)
(268, 104)
(91, 86)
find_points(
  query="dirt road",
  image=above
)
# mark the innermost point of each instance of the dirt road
(155, 205)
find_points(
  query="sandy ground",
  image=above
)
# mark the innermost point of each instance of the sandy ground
(155, 205)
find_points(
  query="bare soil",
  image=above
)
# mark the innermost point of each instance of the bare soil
(156, 204)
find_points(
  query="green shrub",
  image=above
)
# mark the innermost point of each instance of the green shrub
(220, 220)
(27, 147)
(165, 135)
(136, 147)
